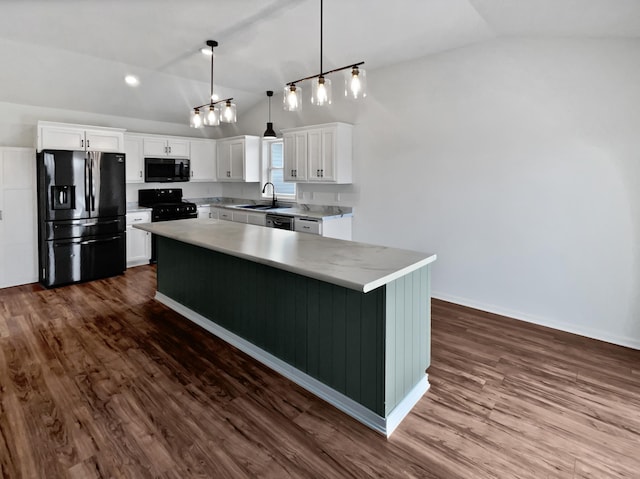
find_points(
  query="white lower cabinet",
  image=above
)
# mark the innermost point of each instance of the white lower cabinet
(138, 241)
(259, 219)
(308, 225)
(18, 217)
(339, 228)
(221, 214)
(204, 212)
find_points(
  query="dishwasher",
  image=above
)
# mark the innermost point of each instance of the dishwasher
(279, 221)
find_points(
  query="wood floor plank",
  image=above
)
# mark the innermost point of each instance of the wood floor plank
(99, 380)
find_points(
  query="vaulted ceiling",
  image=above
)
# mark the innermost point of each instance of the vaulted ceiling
(74, 54)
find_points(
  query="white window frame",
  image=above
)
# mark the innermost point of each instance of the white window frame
(266, 171)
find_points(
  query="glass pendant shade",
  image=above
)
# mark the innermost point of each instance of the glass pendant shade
(292, 98)
(228, 113)
(195, 120)
(321, 92)
(355, 83)
(211, 116)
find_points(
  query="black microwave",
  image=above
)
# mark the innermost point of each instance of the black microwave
(164, 170)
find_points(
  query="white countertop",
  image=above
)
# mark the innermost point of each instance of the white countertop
(360, 266)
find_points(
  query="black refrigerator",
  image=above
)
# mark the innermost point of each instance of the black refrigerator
(81, 216)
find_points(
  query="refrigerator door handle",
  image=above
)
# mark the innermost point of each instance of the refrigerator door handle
(93, 183)
(87, 182)
(99, 240)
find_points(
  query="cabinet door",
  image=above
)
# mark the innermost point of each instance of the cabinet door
(138, 246)
(328, 165)
(259, 219)
(203, 160)
(224, 214)
(61, 138)
(134, 159)
(237, 160)
(314, 151)
(155, 147)
(223, 168)
(239, 216)
(177, 148)
(102, 140)
(204, 212)
(295, 156)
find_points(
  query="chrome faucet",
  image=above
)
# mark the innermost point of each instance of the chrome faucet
(273, 188)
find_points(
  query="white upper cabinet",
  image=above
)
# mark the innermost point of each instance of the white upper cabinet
(203, 160)
(159, 147)
(134, 158)
(295, 156)
(63, 136)
(319, 154)
(239, 159)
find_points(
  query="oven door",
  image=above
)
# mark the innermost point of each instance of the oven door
(166, 170)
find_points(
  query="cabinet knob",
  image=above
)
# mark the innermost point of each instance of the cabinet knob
(88, 145)
(82, 143)
(140, 173)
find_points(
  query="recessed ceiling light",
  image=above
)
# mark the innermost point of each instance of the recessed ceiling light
(132, 80)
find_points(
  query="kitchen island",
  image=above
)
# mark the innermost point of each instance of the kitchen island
(348, 321)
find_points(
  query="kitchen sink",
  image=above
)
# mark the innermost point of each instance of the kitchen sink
(262, 207)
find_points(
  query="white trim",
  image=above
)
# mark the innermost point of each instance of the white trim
(333, 397)
(549, 323)
(395, 417)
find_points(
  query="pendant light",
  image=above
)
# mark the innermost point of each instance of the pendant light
(355, 82)
(212, 115)
(269, 132)
(321, 92)
(292, 97)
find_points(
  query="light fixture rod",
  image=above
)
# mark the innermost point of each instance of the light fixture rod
(212, 103)
(321, 2)
(211, 43)
(351, 65)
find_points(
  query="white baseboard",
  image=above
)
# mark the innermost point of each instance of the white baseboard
(560, 326)
(337, 399)
(405, 406)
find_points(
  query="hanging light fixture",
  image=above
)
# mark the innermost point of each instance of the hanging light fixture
(269, 132)
(212, 114)
(292, 97)
(355, 82)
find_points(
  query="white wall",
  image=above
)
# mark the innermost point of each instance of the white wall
(517, 161)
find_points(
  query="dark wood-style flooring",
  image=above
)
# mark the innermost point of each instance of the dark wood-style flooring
(100, 380)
